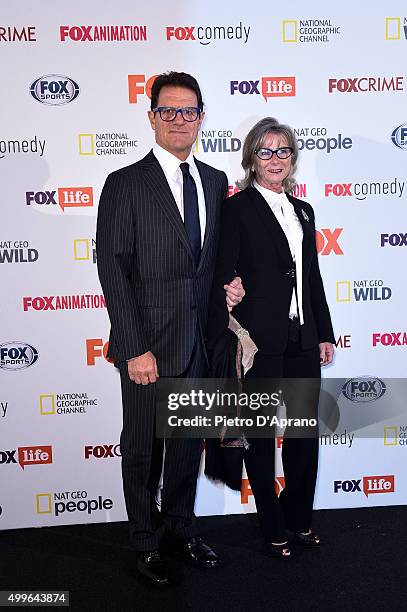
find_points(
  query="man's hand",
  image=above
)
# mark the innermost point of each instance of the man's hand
(234, 292)
(326, 353)
(143, 369)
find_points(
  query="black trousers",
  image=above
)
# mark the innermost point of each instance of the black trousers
(142, 465)
(293, 509)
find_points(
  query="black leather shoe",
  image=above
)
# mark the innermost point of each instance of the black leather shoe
(152, 567)
(308, 539)
(196, 552)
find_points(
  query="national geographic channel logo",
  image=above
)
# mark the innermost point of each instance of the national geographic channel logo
(84, 249)
(309, 31)
(66, 403)
(395, 435)
(69, 502)
(362, 291)
(107, 143)
(396, 28)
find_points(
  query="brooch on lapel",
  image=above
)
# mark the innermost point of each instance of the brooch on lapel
(304, 214)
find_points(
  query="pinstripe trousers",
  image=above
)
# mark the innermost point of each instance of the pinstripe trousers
(142, 464)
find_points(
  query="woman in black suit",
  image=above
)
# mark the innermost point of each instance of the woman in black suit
(268, 239)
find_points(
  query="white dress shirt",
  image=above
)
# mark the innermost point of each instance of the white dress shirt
(173, 173)
(291, 226)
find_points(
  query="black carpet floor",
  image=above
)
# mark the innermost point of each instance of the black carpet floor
(362, 565)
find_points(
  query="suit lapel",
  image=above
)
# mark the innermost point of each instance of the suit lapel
(158, 185)
(269, 220)
(210, 206)
(307, 227)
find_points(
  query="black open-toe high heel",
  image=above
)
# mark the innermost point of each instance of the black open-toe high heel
(280, 551)
(308, 539)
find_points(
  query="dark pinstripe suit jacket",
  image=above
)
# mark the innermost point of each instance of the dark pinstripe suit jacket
(154, 294)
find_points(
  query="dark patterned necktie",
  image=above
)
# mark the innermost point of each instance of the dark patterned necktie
(191, 211)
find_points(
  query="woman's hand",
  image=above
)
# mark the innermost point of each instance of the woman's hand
(326, 353)
(234, 292)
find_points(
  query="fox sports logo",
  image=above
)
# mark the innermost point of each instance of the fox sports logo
(54, 89)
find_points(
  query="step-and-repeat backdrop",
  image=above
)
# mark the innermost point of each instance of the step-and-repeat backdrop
(76, 81)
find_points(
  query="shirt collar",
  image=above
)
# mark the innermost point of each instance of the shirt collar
(272, 198)
(169, 162)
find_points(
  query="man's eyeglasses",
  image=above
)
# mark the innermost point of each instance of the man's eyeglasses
(168, 113)
(282, 152)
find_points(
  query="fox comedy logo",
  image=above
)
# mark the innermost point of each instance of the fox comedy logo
(54, 89)
(364, 389)
(366, 84)
(17, 146)
(371, 485)
(71, 501)
(17, 251)
(68, 197)
(17, 355)
(271, 87)
(362, 290)
(327, 241)
(27, 455)
(362, 190)
(104, 33)
(206, 34)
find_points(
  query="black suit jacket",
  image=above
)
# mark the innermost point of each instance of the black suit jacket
(253, 246)
(155, 296)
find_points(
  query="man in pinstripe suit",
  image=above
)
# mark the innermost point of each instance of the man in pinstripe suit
(157, 233)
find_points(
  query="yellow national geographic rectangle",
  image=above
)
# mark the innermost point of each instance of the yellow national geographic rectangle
(290, 30)
(81, 249)
(47, 404)
(343, 291)
(390, 435)
(86, 144)
(393, 28)
(43, 503)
